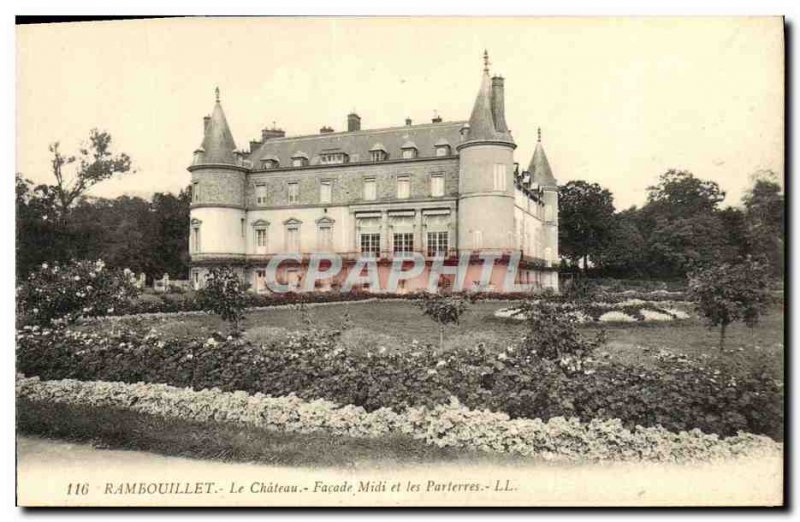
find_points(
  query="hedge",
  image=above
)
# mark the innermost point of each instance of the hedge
(448, 425)
(676, 392)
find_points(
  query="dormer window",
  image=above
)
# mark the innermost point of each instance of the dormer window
(270, 162)
(409, 150)
(378, 153)
(442, 148)
(299, 159)
(333, 158)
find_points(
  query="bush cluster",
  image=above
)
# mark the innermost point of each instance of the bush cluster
(534, 378)
(445, 425)
(66, 292)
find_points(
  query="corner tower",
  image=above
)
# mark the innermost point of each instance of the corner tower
(486, 170)
(218, 213)
(542, 176)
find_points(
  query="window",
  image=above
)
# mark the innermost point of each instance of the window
(299, 159)
(370, 244)
(332, 158)
(443, 150)
(242, 227)
(294, 192)
(403, 187)
(378, 155)
(196, 238)
(409, 153)
(437, 185)
(293, 238)
(261, 194)
(499, 176)
(369, 189)
(403, 244)
(261, 276)
(477, 239)
(325, 238)
(261, 239)
(437, 244)
(325, 192)
(196, 191)
(269, 164)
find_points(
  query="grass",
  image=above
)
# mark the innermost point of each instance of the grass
(397, 323)
(120, 429)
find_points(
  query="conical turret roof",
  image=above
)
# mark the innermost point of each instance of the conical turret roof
(482, 124)
(218, 144)
(539, 167)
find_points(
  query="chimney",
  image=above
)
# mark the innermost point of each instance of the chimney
(206, 121)
(436, 118)
(326, 130)
(498, 104)
(408, 122)
(272, 133)
(353, 122)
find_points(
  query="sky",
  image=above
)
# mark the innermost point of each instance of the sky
(619, 100)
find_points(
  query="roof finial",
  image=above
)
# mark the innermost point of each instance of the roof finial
(485, 61)
(539, 133)
(216, 92)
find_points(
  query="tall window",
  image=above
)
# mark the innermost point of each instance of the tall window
(294, 192)
(293, 238)
(500, 176)
(369, 189)
(196, 191)
(437, 244)
(403, 244)
(403, 187)
(437, 185)
(261, 240)
(325, 192)
(325, 238)
(261, 194)
(477, 239)
(196, 238)
(370, 244)
(242, 229)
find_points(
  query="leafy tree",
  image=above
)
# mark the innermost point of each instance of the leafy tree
(678, 246)
(680, 194)
(625, 253)
(225, 294)
(730, 292)
(444, 309)
(585, 212)
(764, 215)
(95, 163)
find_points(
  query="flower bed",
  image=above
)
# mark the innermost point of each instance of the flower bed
(448, 425)
(679, 394)
(621, 311)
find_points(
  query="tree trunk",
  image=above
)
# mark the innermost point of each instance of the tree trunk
(722, 337)
(441, 337)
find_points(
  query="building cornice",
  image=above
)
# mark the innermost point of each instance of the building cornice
(240, 168)
(474, 143)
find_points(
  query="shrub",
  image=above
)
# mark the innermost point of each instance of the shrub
(446, 425)
(679, 394)
(64, 293)
(224, 294)
(443, 309)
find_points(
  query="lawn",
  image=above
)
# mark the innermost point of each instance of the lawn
(397, 323)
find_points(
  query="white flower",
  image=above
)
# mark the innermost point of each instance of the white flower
(77, 278)
(44, 265)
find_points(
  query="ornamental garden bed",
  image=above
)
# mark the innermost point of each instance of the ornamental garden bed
(449, 425)
(624, 311)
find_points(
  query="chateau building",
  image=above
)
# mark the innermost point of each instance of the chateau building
(444, 190)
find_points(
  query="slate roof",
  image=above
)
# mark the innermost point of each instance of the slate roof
(358, 144)
(539, 168)
(218, 145)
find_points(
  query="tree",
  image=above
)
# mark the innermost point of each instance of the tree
(680, 194)
(730, 292)
(764, 216)
(444, 310)
(225, 294)
(95, 163)
(624, 254)
(585, 212)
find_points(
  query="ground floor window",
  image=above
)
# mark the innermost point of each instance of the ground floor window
(370, 245)
(437, 244)
(403, 244)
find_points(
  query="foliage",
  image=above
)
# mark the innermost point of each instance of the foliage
(764, 215)
(64, 293)
(585, 211)
(444, 309)
(225, 294)
(680, 194)
(679, 394)
(445, 425)
(733, 292)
